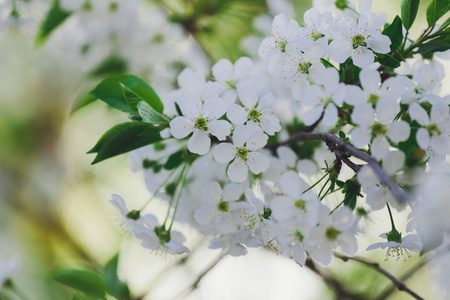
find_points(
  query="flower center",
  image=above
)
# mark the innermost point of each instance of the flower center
(87, 6)
(113, 6)
(316, 35)
(394, 236)
(373, 99)
(253, 115)
(304, 67)
(341, 4)
(378, 128)
(282, 44)
(231, 83)
(298, 235)
(134, 215)
(332, 233)
(300, 204)
(358, 40)
(162, 234)
(433, 128)
(223, 206)
(242, 153)
(201, 124)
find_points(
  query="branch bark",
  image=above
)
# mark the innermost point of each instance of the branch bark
(399, 284)
(339, 147)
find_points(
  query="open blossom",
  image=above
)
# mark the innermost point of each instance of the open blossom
(313, 34)
(128, 219)
(435, 132)
(229, 76)
(158, 239)
(324, 99)
(260, 113)
(200, 119)
(360, 38)
(243, 153)
(399, 247)
(218, 214)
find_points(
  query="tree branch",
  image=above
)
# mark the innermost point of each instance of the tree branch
(338, 146)
(399, 284)
(341, 292)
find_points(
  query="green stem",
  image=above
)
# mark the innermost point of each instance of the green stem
(183, 183)
(337, 207)
(159, 187)
(13, 287)
(171, 199)
(324, 185)
(390, 216)
(315, 183)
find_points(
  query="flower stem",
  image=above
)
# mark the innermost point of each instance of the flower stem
(171, 199)
(390, 216)
(159, 187)
(183, 183)
(316, 183)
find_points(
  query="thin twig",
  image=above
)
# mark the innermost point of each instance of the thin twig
(399, 284)
(341, 292)
(386, 293)
(338, 146)
(195, 284)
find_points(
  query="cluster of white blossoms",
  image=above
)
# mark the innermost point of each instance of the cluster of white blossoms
(232, 167)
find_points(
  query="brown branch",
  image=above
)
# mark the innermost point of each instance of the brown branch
(399, 284)
(341, 292)
(339, 147)
(195, 284)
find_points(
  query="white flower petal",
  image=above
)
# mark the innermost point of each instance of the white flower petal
(220, 129)
(362, 57)
(370, 80)
(199, 142)
(180, 127)
(223, 70)
(419, 114)
(398, 131)
(224, 152)
(243, 68)
(237, 171)
(237, 114)
(380, 147)
(257, 162)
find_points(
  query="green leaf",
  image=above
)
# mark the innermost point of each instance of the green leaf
(174, 160)
(352, 190)
(409, 10)
(55, 17)
(388, 61)
(436, 10)
(82, 100)
(326, 63)
(84, 281)
(439, 44)
(414, 155)
(348, 72)
(114, 286)
(123, 138)
(111, 65)
(445, 23)
(395, 33)
(150, 115)
(110, 90)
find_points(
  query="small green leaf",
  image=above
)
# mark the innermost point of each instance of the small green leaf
(439, 44)
(111, 65)
(436, 10)
(352, 190)
(395, 33)
(110, 91)
(348, 72)
(84, 281)
(123, 138)
(150, 115)
(445, 23)
(326, 63)
(174, 160)
(388, 61)
(55, 17)
(409, 10)
(82, 100)
(114, 286)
